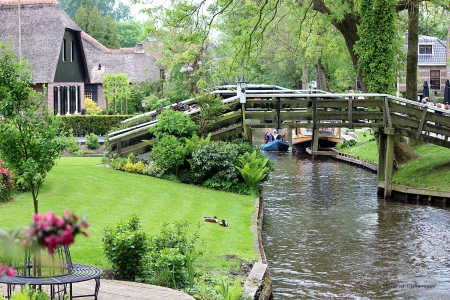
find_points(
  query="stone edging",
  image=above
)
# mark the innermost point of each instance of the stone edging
(259, 278)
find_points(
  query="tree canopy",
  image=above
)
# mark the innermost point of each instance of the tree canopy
(290, 43)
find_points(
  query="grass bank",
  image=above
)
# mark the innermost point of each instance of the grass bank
(431, 170)
(106, 197)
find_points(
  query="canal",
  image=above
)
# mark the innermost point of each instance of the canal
(327, 235)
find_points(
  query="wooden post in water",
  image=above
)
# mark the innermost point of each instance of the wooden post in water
(315, 137)
(278, 113)
(381, 159)
(389, 163)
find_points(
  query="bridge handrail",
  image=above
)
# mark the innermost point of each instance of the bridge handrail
(120, 133)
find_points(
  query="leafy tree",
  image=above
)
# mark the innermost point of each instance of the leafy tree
(122, 13)
(118, 10)
(174, 123)
(435, 21)
(110, 36)
(129, 33)
(210, 108)
(95, 25)
(169, 153)
(116, 87)
(376, 49)
(82, 18)
(30, 136)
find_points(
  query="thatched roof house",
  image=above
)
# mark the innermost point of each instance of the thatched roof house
(70, 62)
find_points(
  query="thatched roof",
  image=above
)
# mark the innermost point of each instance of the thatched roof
(138, 64)
(43, 23)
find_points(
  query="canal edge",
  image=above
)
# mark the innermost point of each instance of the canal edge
(404, 193)
(259, 281)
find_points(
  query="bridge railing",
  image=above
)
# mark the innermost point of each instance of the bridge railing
(285, 108)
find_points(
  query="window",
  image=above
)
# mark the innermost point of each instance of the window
(425, 49)
(63, 54)
(435, 79)
(71, 51)
(88, 95)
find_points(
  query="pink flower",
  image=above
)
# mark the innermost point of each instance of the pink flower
(7, 270)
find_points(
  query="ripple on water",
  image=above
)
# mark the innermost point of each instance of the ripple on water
(326, 235)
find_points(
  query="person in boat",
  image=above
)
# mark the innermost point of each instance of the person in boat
(283, 135)
(268, 137)
(276, 135)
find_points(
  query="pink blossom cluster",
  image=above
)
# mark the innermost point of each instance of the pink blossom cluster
(7, 270)
(6, 182)
(49, 231)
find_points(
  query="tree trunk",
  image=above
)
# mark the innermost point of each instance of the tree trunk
(348, 27)
(402, 152)
(305, 77)
(412, 58)
(321, 77)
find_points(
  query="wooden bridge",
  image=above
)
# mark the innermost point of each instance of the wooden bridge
(283, 108)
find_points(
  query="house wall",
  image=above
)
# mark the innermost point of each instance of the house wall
(49, 97)
(70, 65)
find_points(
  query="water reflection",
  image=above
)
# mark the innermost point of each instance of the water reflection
(326, 235)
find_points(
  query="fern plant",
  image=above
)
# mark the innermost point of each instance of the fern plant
(253, 169)
(230, 292)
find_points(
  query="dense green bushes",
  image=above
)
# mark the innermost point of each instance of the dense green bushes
(166, 259)
(83, 125)
(180, 155)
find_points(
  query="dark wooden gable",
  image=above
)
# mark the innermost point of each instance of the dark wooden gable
(71, 63)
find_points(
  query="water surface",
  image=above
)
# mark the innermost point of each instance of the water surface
(327, 235)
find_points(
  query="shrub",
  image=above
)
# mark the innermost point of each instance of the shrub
(6, 183)
(91, 107)
(213, 164)
(170, 258)
(137, 167)
(125, 247)
(349, 143)
(92, 141)
(174, 123)
(72, 143)
(154, 170)
(82, 125)
(169, 153)
(118, 163)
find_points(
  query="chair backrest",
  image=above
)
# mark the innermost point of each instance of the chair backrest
(60, 263)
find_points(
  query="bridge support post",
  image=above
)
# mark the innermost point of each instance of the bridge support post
(381, 160)
(315, 140)
(244, 125)
(389, 163)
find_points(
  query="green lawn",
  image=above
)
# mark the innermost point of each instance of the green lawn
(106, 196)
(431, 170)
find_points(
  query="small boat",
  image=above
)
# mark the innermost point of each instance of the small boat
(276, 145)
(302, 138)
